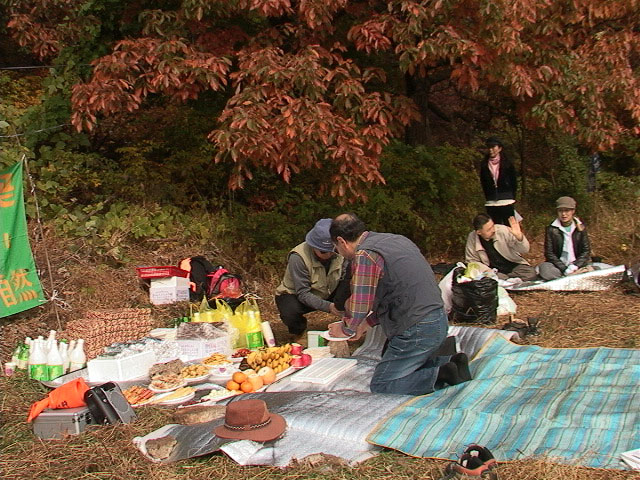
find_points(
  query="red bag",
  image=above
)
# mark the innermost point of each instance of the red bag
(223, 284)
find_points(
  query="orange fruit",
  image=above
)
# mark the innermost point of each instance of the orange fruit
(239, 377)
(231, 385)
(246, 387)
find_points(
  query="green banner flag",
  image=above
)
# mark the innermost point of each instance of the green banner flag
(19, 283)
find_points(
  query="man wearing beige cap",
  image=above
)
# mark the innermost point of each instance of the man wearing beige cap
(566, 245)
(317, 278)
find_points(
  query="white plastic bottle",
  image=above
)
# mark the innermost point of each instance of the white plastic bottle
(77, 357)
(55, 366)
(267, 334)
(64, 353)
(38, 362)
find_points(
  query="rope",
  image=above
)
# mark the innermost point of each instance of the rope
(46, 251)
(16, 135)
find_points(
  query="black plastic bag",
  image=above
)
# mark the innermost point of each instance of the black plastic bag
(475, 301)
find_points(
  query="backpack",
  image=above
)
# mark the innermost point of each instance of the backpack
(222, 284)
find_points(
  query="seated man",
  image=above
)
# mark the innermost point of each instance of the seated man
(314, 280)
(499, 247)
(566, 244)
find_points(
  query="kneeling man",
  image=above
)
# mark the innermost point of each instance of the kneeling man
(393, 285)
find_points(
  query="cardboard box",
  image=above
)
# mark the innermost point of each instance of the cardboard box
(119, 369)
(169, 290)
(57, 424)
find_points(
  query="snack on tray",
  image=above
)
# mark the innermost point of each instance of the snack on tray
(199, 414)
(216, 359)
(161, 448)
(241, 352)
(277, 358)
(215, 394)
(179, 393)
(174, 366)
(193, 371)
(166, 381)
(137, 394)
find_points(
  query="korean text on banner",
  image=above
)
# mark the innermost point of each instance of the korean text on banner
(19, 284)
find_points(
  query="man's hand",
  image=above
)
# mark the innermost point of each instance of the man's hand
(335, 330)
(334, 311)
(361, 330)
(514, 227)
(571, 269)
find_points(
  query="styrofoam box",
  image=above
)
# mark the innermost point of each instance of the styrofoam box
(119, 369)
(192, 349)
(174, 282)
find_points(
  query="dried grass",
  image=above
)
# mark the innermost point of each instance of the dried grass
(610, 319)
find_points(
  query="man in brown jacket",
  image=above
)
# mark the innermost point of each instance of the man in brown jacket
(499, 247)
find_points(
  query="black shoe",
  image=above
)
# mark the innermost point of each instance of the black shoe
(462, 362)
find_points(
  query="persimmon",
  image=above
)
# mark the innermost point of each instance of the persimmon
(231, 385)
(239, 377)
(246, 387)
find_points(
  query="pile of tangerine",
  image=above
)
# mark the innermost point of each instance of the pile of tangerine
(241, 382)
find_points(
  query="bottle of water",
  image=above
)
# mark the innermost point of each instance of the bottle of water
(64, 353)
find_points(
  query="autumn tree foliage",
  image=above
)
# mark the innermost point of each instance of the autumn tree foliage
(301, 88)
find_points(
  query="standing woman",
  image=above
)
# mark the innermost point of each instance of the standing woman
(499, 183)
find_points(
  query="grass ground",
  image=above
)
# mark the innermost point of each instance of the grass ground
(609, 319)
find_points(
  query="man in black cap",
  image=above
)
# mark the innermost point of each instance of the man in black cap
(316, 279)
(566, 244)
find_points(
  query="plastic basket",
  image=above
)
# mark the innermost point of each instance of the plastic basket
(159, 272)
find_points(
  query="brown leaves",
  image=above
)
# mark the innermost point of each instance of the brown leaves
(138, 68)
(311, 111)
(566, 63)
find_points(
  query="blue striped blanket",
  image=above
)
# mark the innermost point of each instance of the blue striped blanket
(574, 406)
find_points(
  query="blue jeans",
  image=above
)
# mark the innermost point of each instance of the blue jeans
(408, 365)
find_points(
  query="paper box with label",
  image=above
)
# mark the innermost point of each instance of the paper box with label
(169, 290)
(199, 340)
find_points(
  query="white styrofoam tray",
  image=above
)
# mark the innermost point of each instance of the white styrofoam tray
(324, 370)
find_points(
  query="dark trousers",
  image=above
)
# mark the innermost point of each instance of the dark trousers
(501, 214)
(293, 311)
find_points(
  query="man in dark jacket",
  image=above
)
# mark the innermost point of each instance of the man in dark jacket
(393, 285)
(566, 245)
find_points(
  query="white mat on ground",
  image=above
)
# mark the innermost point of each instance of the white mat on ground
(333, 423)
(468, 340)
(333, 419)
(594, 281)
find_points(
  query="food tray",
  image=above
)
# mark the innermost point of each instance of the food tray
(160, 272)
(199, 379)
